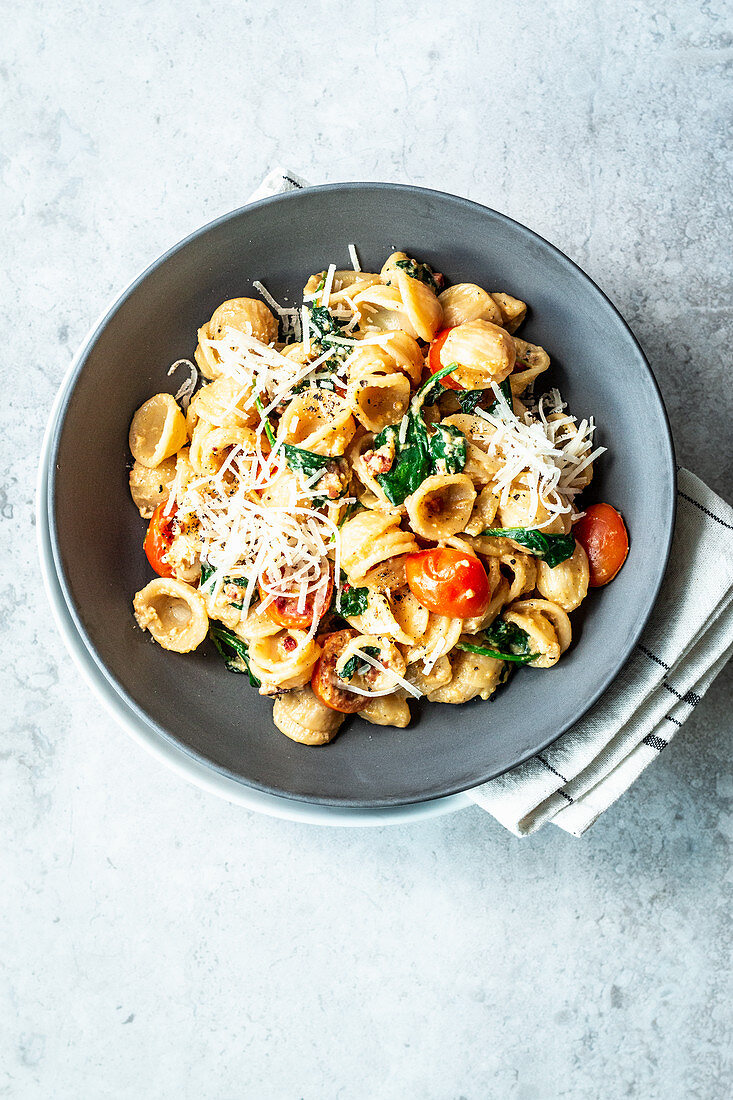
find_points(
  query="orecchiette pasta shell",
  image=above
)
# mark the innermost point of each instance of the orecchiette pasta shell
(422, 306)
(566, 584)
(441, 635)
(277, 665)
(483, 351)
(305, 719)
(513, 311)
(523, 569)
(345, 281)
(475, 428)
(257, 624)
(410, 615)
(484, 511)
(150, 487)
(468, 302)
(210, 446)
(223, 404)
(441, 506)
(157, 431)
(366, 360)
(318, 421)
(183, 556)
(440, 674)
(173, 612)
(547, 625)
(378, 400)
(369, 538)
(404, 352)
(474, 675)
(387, 576)
(380, 618)
(389, 710)
(530, 362)
(381, 307)
(390, 270)
(247, 315)
(499, 599)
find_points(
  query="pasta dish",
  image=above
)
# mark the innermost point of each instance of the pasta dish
(367, 498)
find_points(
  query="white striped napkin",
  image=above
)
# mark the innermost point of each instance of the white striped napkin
(687, 641)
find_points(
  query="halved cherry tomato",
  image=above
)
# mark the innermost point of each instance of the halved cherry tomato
(159, 538)
(434, 363)
(323, 680)
(284, 609)
(602, 534)
(448, 582)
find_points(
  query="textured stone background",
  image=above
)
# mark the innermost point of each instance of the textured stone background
(160, 943)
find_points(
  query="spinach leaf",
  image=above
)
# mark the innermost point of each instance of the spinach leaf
(355, 664)
(422, 272)
(351, 601)
(468, 399)
(324, 324)
(551, 548)
(505, 642)
(305, 461)
(447, 446)
(507, 637)
(497, 656)
(414, 459)
(410, 464)
(233, 650)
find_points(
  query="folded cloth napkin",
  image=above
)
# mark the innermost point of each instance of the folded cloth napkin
(687, 641)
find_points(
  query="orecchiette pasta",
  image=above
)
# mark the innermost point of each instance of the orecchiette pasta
(150, 487)
(157, 431)
(364, 501)
(173, 612)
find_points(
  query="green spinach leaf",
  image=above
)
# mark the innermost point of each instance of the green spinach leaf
(305, 461)
(355, 664)
(351, 601)
(551, 548)
(447, 446)
(504, 642)
(233, 650)
(414, 459)
(422, 272)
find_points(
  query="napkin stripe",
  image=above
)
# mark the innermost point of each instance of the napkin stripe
(705, 510)
(655, 742)
(294, 182)
(653, 656)
(669, 718)
(558, 774)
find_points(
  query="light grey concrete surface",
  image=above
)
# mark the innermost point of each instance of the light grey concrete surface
(155, 942)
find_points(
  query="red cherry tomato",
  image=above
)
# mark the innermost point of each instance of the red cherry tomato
(434, 363)
(323, 680)
(448, 582)
(284, 609)
(602, 534)
(158, 540)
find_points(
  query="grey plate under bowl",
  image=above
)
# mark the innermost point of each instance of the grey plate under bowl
(96, 534)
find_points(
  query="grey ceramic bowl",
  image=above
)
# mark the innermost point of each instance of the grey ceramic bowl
(96, 532)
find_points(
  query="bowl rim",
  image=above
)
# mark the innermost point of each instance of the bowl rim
(126, 709)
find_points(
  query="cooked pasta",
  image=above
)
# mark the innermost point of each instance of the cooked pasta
(363, 501)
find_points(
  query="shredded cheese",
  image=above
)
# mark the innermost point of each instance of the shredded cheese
(186, 391)
(354, 258)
